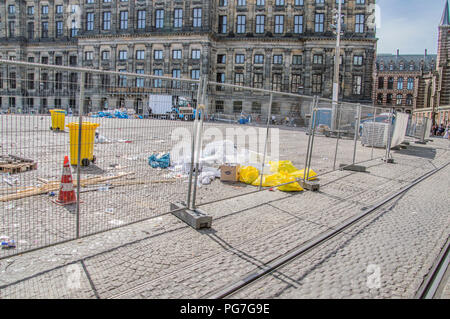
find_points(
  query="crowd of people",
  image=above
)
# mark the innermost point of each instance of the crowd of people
(441, 130)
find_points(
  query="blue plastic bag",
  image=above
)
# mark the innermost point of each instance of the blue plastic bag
(162, 162)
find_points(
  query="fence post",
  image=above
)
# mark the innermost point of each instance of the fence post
(338, 109)
(194, 137)
(355, 139)
(316, 103)
(80, 126)
(388, 158)
(265, 142)
(373, 131)
(199, 137)
(312, 117)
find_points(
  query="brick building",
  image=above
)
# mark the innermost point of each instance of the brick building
(284, 45)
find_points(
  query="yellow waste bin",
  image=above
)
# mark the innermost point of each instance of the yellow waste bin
(58, 119)
(87, 142)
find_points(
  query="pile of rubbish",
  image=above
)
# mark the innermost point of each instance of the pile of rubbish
(116, 114)
(217, 153)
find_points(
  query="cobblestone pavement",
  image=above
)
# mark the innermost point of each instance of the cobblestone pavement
(164, 258)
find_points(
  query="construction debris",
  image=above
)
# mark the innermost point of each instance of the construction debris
(14, 164)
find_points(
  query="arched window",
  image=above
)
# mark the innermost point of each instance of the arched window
(410, 83)
(390, 83)
(399, 99)
(400, 83)
(380, 98)
(409, 100)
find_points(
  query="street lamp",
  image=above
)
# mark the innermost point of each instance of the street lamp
(337, 60)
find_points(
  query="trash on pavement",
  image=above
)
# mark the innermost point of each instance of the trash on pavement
(159, 160)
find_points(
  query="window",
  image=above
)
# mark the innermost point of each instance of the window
(223, 3)
(279, 24)
(73, 60)
(237, 106)
(389, 99)
(296, 83)
(158, 54)
(298, 2)
(411, 67)
(277, 59)
(380, 98)
(74, 29)
(176, 73)
(140, 81)
(399, 99)
(12, 28)
(59, 9)
(157, 83)
(391, 67)
(30, 10)
(400, 83)
(357, 60)
(390, 83)
(296, 59)
(409, 100)
(402, 67)
(318, 25)
(317, 83)
(319, 1)
(219, 106)
(88, 81)
(89, 55)
(58, 60)
(259, 59)
(256, 107)
(318, 59)
(410, 84)
(298, 24)
(105, 55)
(240, 24)
(107, 20)
(380, 83)
(276, 82)
(141, 17)
(241, 2)
(258, 80)
(220, 78)
(279, 2)
(222, 24)
(221, 58)
(44, 29)
(140, 55)
(260, 2)
(260, 23)
(381, 67)
(123, 20)
(30, 83)
(122, 79)
(360, 1)
(58, 81)
(197, 15)
(239, 79)
(159, 21)
(30, 30)
(123, 55)
(12, 80)
(59, 28)
(44, 10)
(195, 74)
(359, 24)
(239, 59)
(176, 54)
(89, 1)
(357, 84)
(11, 9)
(178, 18)
(90, 21)
(195, 54)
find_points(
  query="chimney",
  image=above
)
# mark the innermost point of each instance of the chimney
(426, 52)
(398, 52)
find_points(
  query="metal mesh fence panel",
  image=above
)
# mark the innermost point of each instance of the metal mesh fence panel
(125, 164)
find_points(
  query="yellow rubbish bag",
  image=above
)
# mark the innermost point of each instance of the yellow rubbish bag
(282, 167)
(248, 174)
(299, 174)
(278, 179)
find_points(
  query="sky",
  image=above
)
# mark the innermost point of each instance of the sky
(409, 25)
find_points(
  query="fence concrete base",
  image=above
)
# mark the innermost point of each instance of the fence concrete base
(354, 168)
(421, 142)
(197, 219)
(389, 160)
(310, 185)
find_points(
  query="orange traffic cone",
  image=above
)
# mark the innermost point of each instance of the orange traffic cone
(66, 192)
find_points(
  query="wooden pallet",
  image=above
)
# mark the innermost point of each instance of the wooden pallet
(15, 164)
